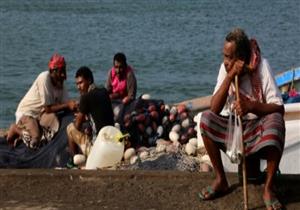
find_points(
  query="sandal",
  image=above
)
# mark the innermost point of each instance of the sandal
(209, 194)
(274, 203)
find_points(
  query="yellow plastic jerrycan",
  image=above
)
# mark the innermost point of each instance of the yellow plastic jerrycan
(107, 150)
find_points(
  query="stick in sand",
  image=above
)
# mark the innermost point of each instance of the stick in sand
(245, 189)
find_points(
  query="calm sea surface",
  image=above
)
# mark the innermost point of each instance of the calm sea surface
(174, 45)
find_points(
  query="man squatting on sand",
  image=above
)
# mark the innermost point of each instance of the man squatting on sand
(95, 112)
(260, 106)
(36, 111)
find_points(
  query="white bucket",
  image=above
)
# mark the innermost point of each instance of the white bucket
(107, 149)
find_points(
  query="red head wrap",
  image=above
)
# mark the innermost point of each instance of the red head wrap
(56, 62)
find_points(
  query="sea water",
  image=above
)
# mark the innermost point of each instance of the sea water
(174, 46)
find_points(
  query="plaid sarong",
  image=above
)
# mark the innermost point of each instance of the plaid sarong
(257, 133)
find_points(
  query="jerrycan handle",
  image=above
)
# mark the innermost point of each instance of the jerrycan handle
(122, 137)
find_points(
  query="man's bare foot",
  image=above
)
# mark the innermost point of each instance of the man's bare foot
(12, 134)
(217, 189)
(271, 201)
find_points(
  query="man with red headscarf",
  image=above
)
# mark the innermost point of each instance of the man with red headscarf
(35, 115)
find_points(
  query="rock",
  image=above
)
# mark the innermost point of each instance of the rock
(191, 132)
(173, 110)
(164, 120)
(144, 155)
(190, 149)
(133, 159)
(149, 130)
(160, 131)
(173, 148)
(172, 117)
(146, 96)
(141, 127)
(204, 167)
(154, 115)
(133, 113)
(151, 108)
(176, 128)
(162, 108)
(205, 159)
(117, 125)
(185, 123)
(140, 118)
(130, 152)
(160, 148)
(154, 127)
(197, 119)
(183, 115)
(183, 138)
(193, 141)
(181, 108)
(167, 107)
(174, 136)
(162, 141)
(79, 159)
(152, 141)
(116, 111)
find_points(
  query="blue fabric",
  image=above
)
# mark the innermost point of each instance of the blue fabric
(53, 154)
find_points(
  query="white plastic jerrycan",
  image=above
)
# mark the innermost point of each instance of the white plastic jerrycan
(107, 150)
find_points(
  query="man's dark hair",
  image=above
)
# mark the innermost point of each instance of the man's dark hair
(120, 57)
(239, 37)
(86, 73)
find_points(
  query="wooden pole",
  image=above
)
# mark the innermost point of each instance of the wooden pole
(245, 189)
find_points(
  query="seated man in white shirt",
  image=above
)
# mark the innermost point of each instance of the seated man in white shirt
(46, 96)
(259, 105)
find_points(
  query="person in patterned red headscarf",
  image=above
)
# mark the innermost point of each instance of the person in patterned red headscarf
(35, 115)
(259, 105)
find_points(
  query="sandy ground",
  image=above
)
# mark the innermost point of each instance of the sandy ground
(133, 189)
(130, 189)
